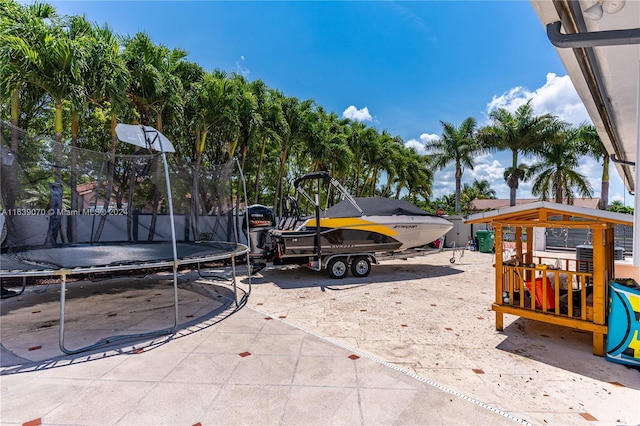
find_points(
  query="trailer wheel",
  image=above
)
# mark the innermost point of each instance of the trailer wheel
(337, 268)
(361, 266)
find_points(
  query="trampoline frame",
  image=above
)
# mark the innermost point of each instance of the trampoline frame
(63, 273)
(151, 136)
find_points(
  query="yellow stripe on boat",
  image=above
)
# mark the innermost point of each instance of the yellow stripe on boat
(353, 223)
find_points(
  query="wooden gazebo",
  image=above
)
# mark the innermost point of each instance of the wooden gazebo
(561, 290)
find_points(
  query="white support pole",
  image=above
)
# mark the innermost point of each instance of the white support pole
(636, 212)
(173, 238)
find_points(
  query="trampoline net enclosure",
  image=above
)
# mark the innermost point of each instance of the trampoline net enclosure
(69, 208)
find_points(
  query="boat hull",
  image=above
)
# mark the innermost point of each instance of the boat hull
(414, 231)
(366, 234)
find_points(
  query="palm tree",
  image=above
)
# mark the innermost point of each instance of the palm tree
(297, 129)
(107, 84)
(60, 75)
(483, 189)
(145, 60)
(555, 176)
(328, 147)
(446, 202)
(617, 206)
(513, 176)
(469, 194)
(36, 50)
(272, 131)
(591, 144)
(57, 65)
(386, 156)
(364, 144)
(477, 190)
(79, 31)
(521, 133)
(250, 98)
(21, 29)
(457, 145)
(179, 117)
(215, 101)
(419, 176)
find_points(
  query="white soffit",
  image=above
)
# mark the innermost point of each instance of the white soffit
(619, 74)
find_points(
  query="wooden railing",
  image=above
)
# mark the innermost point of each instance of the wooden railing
(557, 287)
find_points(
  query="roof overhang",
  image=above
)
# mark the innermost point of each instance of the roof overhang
(602, 58)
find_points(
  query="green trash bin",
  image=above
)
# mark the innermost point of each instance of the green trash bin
(486, 241)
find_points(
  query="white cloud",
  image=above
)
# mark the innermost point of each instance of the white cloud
(241, 69)
(419, 145)
(490, 170)
(356, 114)
(428, 137)
(592, 170)
(557, 96)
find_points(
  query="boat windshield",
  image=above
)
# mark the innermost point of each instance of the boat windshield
(325, 191)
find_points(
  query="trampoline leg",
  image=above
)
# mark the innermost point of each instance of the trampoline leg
(235, 288)
(63, 289)
(175, 296)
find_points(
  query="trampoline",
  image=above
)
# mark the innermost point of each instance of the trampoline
(75, 259)
(67, 261)
(100, 238)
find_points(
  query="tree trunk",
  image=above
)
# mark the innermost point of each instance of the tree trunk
(72, 230)
(156, 202)
(110, 177)
(201, 139)
(146, 120)
(58, 157)
(513, 179)
(604, 189)
(458, 182)
(132, 236)
(512, 195)
(57, 150)
(256, 196)
(279, 189)
(558, 189)
(9, 180)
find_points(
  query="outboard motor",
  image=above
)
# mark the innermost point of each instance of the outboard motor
(261, 221)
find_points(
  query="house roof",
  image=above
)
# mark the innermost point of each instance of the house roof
(547, 214)
(494, 204)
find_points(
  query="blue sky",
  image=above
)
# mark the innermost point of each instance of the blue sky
(401, 66)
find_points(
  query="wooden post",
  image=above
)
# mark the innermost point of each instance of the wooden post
(499, 276)
(529, 230)
(518, 238)
(599, 278)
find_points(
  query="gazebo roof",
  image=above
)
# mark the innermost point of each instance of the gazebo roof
(547, 214)
(480, 204)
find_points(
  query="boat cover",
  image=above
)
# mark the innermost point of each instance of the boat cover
(375, 206)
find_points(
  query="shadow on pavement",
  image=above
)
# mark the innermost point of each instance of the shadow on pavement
(128, 317)
(565, 348)
(295, 277)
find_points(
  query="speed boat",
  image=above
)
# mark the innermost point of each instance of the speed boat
(353, 232)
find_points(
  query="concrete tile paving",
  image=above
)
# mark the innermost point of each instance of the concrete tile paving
(414, 344)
